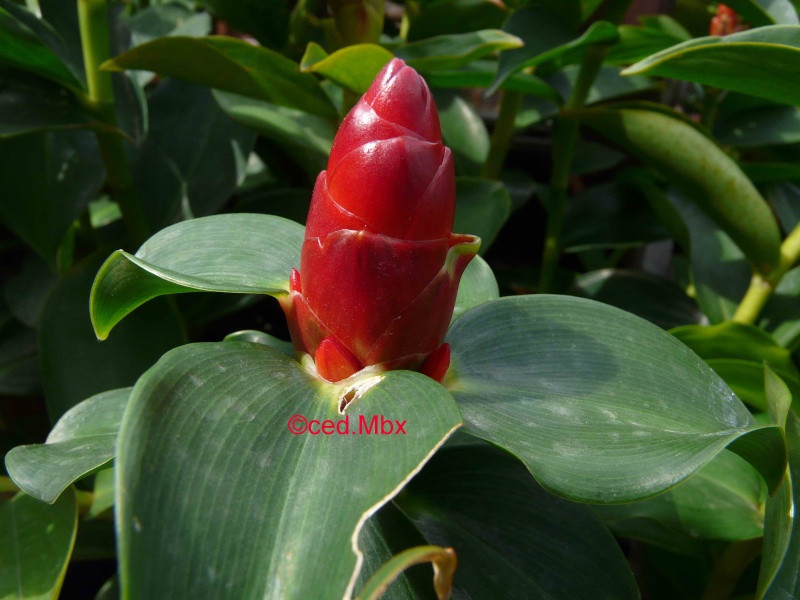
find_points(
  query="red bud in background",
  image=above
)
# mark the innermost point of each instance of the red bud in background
(380, 266)
(725, 22)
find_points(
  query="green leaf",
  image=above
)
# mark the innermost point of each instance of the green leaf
(765, 12)
(650, 297)
(464, 132)
(724, 500)
(386, 533)
(25, 44)
(442, 17)
(781, 315)
(695, 165)
(784, 196)
(259, 337)
(74, 365)
(445, 52)
(546, 38)
(482, 208)
(481, 74)
(35, 545)
(352, 67)
(306, 138)
(161, 20)
(48, 179)
(231, 65)
(236, 253)
(30, 104)
(736, 340)
(760, 127)
(207, 465)
(19, 363)
(640, 41)
(780, 564)
(762, 62)
(267, 21)
(207, 151)
(746, 379)
(477, 286)
(103, 492)
(82, 442)
(576, 388)
(517, 537)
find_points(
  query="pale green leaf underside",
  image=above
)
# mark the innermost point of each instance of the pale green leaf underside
(600, 405)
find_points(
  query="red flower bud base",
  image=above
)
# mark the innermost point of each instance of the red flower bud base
(380, 266)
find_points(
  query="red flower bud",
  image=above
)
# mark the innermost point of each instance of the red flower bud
(380, 265)
(725, 22)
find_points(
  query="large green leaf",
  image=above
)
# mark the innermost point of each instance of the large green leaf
(231, 65)
(353, 67)
(762, 62)
(82, 441)
(236, 253)
(546, 38)
(74, 365)
(24, 45)
(48, 179)
(599, 404)
(464, 132)
(35, 545)
(724, 500)
(699, 168)
(482, 208)
(207, 151)
(511, 535)
(746, 379)
(766, 12)
(218, 498)
(648, 296)
(445, 52)
(306, 138)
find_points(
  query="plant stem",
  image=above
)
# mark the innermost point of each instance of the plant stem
(727, 570)
(502, 134)
(564, 140)
(762, 287)
(93, 20)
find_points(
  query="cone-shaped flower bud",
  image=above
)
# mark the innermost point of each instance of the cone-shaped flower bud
(380, 266)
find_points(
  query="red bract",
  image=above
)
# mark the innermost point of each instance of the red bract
(725, 22)
(380, 265)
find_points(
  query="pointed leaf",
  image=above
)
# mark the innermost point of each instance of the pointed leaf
(444, 52)
(762, 62)
(699, 168)
(576, 389)
(517, 538)
(353, 67)
(236, 253)
(35, 545)
(82, 441)
(477, 286)
(219, 498)
(231, 65)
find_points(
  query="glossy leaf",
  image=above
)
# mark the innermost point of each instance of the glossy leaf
(736, 340)
(444, 52)
(724, 500)
(236, 253)
(285, 500)
(477, 286)
(353, 67)
(546, 38)
(746, 379)
(481, 74)
(506, 539)
(482, 208)
(35, 545)
(22, 46)
(464, 132)
(639, 393)
(82, 441)
(699, 168)
(57, 174)
(739, 62)
(653, 298)
(74, 365)
(230, 65)
(304, 137)
(207, 151)
(385, 534)
(766, 12)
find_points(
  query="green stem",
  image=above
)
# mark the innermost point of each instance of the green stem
(502, 134)
(564, 141)
(763, 286)
(99, 100)
(729, 567)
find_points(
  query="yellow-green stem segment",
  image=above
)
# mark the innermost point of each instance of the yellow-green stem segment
(99, 100)
(502, 134)
(762, 287)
